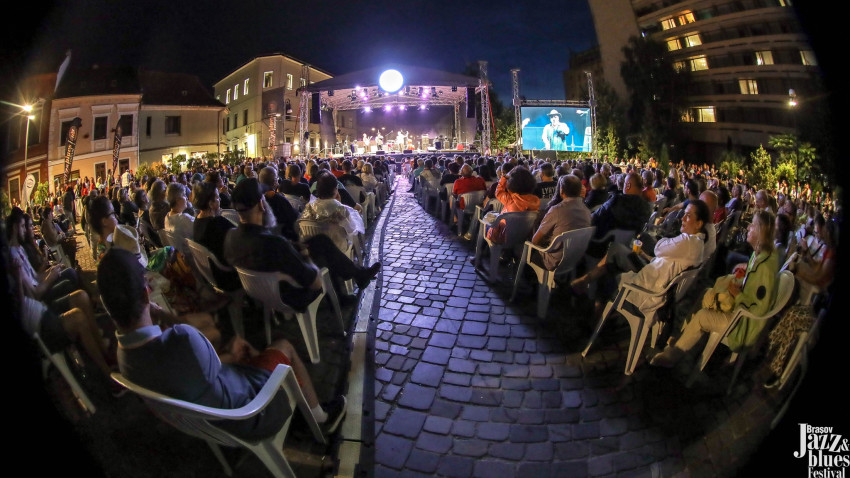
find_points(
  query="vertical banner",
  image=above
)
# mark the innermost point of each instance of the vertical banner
(70, 147)
(116, 148)
(26, 192)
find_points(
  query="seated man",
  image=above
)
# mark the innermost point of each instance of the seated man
(568, 214)
(252, 246)
(546, 187)
(181, 363)
(622, 211)
(285, 215)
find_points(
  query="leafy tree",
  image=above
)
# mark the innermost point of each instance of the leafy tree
(5, 203)
(505, 133)
(798, 160)
(656, 92)
(610, 120)
(761, 173)
(41, 193)
(729, 163)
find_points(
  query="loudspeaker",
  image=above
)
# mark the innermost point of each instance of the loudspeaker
(380, 151)
(438, 144)
(315, 116)
(470, 102)
(330, 92)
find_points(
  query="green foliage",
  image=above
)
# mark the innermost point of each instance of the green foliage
(761, 173)
(177, 164)
(730, 162)
(505, 134)
(610, 120)
(664, 160)
(144, 169)
(5, 203)
(797, 159)
(786, 171)
(41, 193)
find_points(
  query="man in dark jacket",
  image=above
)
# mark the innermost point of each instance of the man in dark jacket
(622, 211)
(69, 205)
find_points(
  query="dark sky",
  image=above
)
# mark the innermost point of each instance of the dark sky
(210, 39)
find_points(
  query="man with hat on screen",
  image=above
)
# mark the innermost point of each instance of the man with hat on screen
(555, 133)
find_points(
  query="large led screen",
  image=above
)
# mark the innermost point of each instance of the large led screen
(560, 128)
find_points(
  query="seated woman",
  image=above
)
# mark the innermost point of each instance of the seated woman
(177, 221)
(210, 228)
(597, 194)
(782, 236)
(816, 275)
(516, 193)
(672, 256)
(755, 292)
(372, 183)
(159, 206)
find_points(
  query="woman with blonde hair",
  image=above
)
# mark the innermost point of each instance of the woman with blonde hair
(752, 288)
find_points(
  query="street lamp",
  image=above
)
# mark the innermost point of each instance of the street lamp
(792, 104)
(28, 109)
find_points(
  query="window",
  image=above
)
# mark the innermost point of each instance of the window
(123, 165)
(100, 170)
(15, 189)
(244, 117)
(99, 130)
(245, 87)
(172, 125)
(704, 114)
(63, 135)
(167, 158)
(673, 44)
(303, 82)
(668, 24)
(288, 81)
(267, 79)
(686, 17)
(698, 63)
(236, 92)
(126, 124)
(227, 98)
(764, 57)
(148, 127)
(748, 86)
(693, 40)
(224, 126)
(808, 57)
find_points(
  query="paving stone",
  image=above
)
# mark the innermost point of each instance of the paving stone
(462, 379)
(539, 452)
(446, 409)
(436, 355)
(438, 425)
(613, 426)
(461, 366)
(389, 392)
(512, 398)
(537, 470)
(463, 428)
(424, 322)
(434, 442)
(528, 433)
(427, 374)
(600, 465)
(497, 344)
(443, 340)
(456, 466)
(474, 448)
(475, 413)
(474, 328)
(455, 393)
(585, 430)
(460, 353)
(489, 468)
(530, 416)
(381, 409)
(486, 368)
(562, 415)
(416, 397)
(453, 313)
(383, 374)
(504, 415)
(572, 399)
(448, 326)
(493, 431)
(392, 451)
(485, 381)
(424, 461)
(472, 341)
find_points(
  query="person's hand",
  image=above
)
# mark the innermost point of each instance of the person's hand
(240, 349)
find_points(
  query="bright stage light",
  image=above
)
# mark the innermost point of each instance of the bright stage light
(422, 107)
(367, 109)
(388, 108)
(402, 107)
(391, 81)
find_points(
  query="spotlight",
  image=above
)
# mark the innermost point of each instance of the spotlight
(388, 108)
(454, 89)
(391, 81)
(402, 107)
(422, 107)
(330, 92)
(367, 109)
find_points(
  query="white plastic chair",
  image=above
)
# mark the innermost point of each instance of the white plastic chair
(544, 203)
(627, 302)
(799, 360)
(573, 244)
(297, 203)
(59, 361)
(447, 206)
(785, 288)
(264, 287)
(231, 215)
(367, 211)
(167, 238)
(203, 257)
(518, 227)
(471, 202)
(199, 421)
(60, 255)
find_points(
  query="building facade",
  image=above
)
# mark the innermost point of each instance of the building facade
(748, 60)
(262, 109)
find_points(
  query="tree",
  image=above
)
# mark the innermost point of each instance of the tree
(41, 193)
(610, 120)
(729, 163)
(797, 160)
(761, 174)
(505, 134)
(656, 91)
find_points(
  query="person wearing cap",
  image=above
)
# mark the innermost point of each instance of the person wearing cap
(180, 362)
(555, 133)
(253, 246)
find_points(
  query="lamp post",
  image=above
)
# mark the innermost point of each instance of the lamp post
(792, 104)
(30, 117)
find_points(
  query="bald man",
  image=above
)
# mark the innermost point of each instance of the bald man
(622, 211)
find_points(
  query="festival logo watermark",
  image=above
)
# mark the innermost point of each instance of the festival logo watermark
(827, 452)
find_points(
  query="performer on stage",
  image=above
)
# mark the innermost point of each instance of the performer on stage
(555, 133)
(379, 140)
(400, 140)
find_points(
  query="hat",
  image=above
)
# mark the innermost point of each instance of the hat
(127, 238)
(246, 194)
(554, 113)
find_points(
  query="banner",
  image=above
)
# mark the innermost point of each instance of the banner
(70, 147)
(26, 192)
(116, 147)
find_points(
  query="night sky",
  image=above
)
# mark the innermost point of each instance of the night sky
(210, 39)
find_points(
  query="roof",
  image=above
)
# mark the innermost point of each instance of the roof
(413, 75)
(99, 80)
(161, 88)
(270, 55)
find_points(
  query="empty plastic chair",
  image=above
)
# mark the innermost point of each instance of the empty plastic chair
(59, 361)
(518, 227)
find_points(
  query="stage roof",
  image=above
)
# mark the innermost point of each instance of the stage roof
(422, 86)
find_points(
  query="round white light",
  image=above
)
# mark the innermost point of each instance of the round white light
(391, 81)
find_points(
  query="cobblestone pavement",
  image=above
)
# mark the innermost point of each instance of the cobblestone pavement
(469, 385)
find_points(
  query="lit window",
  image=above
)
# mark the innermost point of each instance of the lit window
(698, 63)
(704, 114)
(679, 65)
(235, 92)
(245, 87)
(686, 17)
(687, 116)
(764, 57)
(288, 81)
(783, 3)
(267, 79)
(303, 82)
(668, 24)
(748, 86)
(673, 45)
(227, 98)
(808, 57)
(693, 40)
